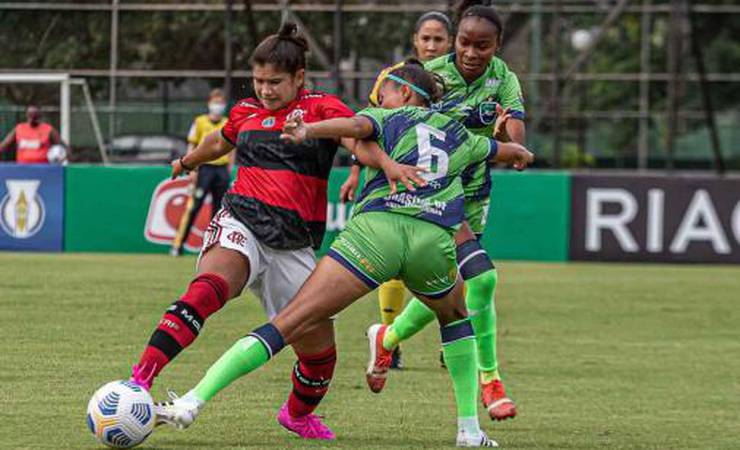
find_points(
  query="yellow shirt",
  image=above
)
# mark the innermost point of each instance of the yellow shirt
(202, 127)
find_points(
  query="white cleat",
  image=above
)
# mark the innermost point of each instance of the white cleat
(179, 412)
(474, 440)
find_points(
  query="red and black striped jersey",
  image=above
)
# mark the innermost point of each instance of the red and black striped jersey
(280, 188)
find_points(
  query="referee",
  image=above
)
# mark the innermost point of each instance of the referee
(212, 177)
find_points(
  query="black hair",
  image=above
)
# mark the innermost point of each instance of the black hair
(483, 9)
(434, 15)
(286, 50)
(413, 71)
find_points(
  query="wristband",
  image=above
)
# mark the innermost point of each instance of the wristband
(185, 166)
(355, 161)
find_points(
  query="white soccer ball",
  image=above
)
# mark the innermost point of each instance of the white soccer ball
(57, 154)
(121, 414)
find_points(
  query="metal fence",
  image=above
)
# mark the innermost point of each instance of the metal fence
(657, 126)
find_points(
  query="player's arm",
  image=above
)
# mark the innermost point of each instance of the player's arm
(357, 127)
(512, 101)
(54, 137)
(211, 147)
(516, 131)
(5, 144)
(511, 153)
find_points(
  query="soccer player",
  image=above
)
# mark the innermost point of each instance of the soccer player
(406, 234)
(32, 138)
(477, 83)
(271, 221)
(432, 38)
(211, 177)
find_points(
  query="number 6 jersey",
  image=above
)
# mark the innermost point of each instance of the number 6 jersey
(420, 137)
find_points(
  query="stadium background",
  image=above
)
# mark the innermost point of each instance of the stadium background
(598, 355)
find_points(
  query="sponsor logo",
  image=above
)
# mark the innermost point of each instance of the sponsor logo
(30, 144)
(237, 238)
(185, 315)
(170, 201)
(492, 83)
(655, 219)
(22, 210)
(269, 122)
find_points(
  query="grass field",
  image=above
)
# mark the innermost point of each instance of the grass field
(596, 355)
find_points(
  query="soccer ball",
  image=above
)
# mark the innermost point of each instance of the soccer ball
(57, 154)
(121, 414)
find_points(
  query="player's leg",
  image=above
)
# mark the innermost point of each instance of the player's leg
(223, 271)
(481, 278)
(391, 296)
(285, 273)
(313, 304)
(430, 271)
(339, 279)
(219, 187)
(195, 202)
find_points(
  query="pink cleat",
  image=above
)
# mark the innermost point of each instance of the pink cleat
(140, 376)
(307, 427)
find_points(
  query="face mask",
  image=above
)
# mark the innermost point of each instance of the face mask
(216, 109)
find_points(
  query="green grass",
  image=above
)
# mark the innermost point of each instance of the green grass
(596, 355)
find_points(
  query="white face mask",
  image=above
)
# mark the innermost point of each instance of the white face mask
(216, 108)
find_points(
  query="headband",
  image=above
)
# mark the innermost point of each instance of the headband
(413, 87)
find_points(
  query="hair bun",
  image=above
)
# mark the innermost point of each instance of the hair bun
(289, 32)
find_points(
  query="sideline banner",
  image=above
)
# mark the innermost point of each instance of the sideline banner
(655, 218)
(107, 208)
(31, 207)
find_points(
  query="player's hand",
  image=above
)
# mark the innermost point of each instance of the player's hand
(177, 168)
(499, 128)
(349, 187)
(407, 175)
(294, 130)
(514, 154)
(522, 158)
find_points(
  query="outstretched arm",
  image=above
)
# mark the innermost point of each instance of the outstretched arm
(5, 144)
(357, 127)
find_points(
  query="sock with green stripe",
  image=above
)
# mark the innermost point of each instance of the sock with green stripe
(413, 319)
(248, 354)
(458, 345)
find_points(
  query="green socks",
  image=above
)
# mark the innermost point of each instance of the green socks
(458, 345)
(413, 319)
(479, 299)
(243, 357)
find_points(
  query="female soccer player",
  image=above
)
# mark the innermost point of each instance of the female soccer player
(271, 220)
(477, 83)
(432, 37)
(406, 234)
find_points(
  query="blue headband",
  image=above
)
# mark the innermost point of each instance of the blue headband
(413, 87)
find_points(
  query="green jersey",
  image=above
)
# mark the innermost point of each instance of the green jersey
(421, 137)
(474, 105)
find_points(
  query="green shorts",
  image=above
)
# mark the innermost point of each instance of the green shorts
(379, 246)
(476, 213)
